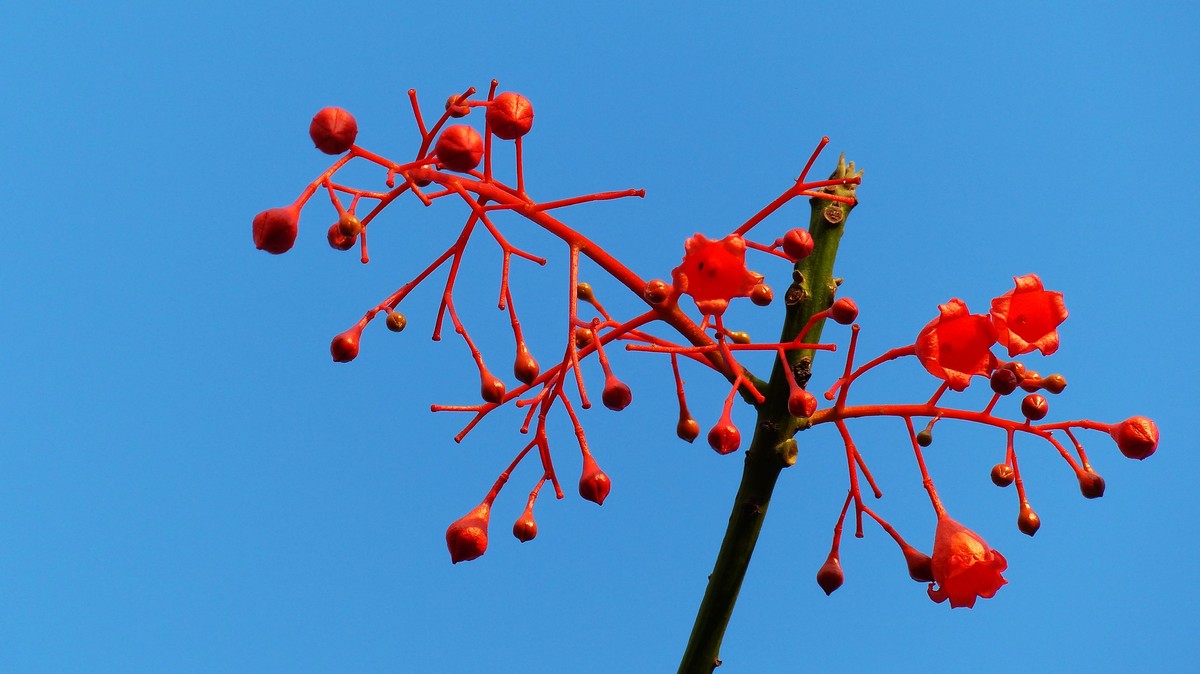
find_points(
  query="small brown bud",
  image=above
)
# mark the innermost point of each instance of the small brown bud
(396, 322)
(740, 337)
(349, 225)
(657, 291)
(762, 294)
(1035, 407)
(1091, 485)
(687, 429)
(583, 291)
(1028, 521)
(830, 576)
(925, 437)
(1002, 475)
(1004, 381)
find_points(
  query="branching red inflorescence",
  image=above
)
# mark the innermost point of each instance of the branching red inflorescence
(955, 347)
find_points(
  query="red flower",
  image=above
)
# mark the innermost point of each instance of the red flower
(714, 272)
(956, 345)
(964, 567)
(1027, 317)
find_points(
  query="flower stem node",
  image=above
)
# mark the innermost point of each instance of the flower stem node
(510, 115)
(459, 148)
(1002, 475)
(830, 576)
(275, 229)
(344, 347)
(467, 537)
(396, 321)
(616, 395)
(724, 438)
(1136, 437)
(1028, 521)
(964, 567)
(797, 244)
(788, 451)
(594, 484)
(844, 311)
(333, 130)
(1035, 407)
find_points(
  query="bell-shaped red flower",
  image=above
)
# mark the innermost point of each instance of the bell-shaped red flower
(964, 567)
(1027, 317)
(714, 272)
(957, 345)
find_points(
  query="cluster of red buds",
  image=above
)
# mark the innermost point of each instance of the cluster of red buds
(455, 161)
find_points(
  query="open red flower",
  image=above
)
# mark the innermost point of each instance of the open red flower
(964, 567)
(714, 272)
(1027, 317)
(957, 345)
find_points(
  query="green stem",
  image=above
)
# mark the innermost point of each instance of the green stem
(772, 448)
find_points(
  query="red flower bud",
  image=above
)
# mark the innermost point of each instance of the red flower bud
(920, 565)
(594, 484)
(657, 291)
(687, 429)
(1091, 485)
(844, 311)
(797, 244)
(616, 395)
(1136, 437)
(801, 403)
(1002, 475)
(1004, 381)
(525, 368)
(583, 292)
(724, 437)
(490, 387)
(1028, 521)
(525, 528)
(583, 337)
(396, 322)
(762, 294)
(830, 576)
(333, 130)
(344, 347)
(510, 115)
(1035, 407)
(459, 148)
(349, 225)
(1055, 383)
(275, 229)
(925, 437)
(338, 240)
(467, 537)
(455, 108)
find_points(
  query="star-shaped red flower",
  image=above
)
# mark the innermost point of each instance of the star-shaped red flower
(1027, 317)
(957, 345)
(964, 567)
(714, 272)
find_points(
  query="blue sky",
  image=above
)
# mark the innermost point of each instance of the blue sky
(187, 483)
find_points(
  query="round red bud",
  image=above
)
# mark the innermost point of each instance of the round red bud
(594, 484)
(510, 115)
(467, 537)
(687, 429)
(762, 294)
(525, 528)
(344, 347)
(275, 229)
(1002, 475)
(396, 321)
(1004, 381)
(1136, 437)
(657, 291)
(459, 148)
(491, 388)
(920, 565)
(1035, 407)
(333, 130)
(1028, 521)
(349, 225)
(801, 403)
(1091, 485)
(797, 244)
(844, 311)
(455, 108)
(724, 437)
(616, 395)
(337, 240)
(830, 576)
(525, 368)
